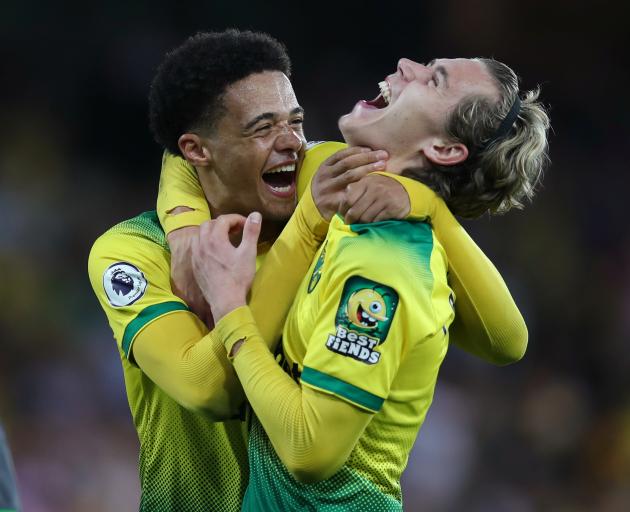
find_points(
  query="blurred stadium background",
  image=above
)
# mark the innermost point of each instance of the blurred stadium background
(550, 433)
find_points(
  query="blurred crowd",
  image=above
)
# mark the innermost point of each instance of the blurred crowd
(549, 433)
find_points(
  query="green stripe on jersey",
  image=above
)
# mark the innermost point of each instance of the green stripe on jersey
(145, 316)
(342, 388)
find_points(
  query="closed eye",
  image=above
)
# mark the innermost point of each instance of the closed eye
(263, 128)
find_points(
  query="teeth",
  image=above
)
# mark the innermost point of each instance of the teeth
(284, 168)
(365, 315)
(365, 319)
(385, 91)
(282, 189)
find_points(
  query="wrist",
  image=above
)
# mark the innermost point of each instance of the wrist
(226, 305)
(316, 217)
(423, 201)
(233, 329)
(320, 207)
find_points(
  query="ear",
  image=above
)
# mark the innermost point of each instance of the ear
(443, 152)
(194, 150)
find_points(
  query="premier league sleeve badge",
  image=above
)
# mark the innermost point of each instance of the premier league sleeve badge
(124, 284)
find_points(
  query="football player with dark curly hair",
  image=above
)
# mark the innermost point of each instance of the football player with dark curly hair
(210, 100)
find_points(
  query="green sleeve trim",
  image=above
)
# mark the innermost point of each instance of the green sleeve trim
(342, 388)
(145, 316)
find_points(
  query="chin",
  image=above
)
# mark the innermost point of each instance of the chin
(349, 130)
(279, 212)
(357, 132)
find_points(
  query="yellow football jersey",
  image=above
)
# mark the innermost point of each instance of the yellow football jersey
(187, 462)
(370, 326)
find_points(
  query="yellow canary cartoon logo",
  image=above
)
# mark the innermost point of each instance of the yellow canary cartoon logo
(366, 308)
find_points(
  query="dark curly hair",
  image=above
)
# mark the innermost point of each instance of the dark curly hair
(187, 91)
(495, 177)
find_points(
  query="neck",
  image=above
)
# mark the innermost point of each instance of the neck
(270, 230)
(221, 202)
(400, 160)
(397, 164)
(216, 193)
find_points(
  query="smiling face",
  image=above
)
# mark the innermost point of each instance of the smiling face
(255, 149)
(408, 118)
(366, 308)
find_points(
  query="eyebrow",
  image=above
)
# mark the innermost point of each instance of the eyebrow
(441, 70)
(269, 116)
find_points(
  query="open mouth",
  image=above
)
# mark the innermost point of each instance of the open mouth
(281, 180)
(364, 319)
(384, 97)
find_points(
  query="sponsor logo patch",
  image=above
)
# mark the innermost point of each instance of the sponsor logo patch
(363, 319)
(124, 284)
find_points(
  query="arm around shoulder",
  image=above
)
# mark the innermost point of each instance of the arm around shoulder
(487, 323)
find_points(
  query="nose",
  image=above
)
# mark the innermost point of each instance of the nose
(410, 70)
(405, 69)
(288, 140)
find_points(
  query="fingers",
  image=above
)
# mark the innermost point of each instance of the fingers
(228, 223)
(355, 174)
(356, 213)
(374, 199)
(386, 214)
(391, 195)
(372, 213)
(202, 237)
(344, 153)
(217, 232)
(374, 160)
(351, 195)
(251, 230)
